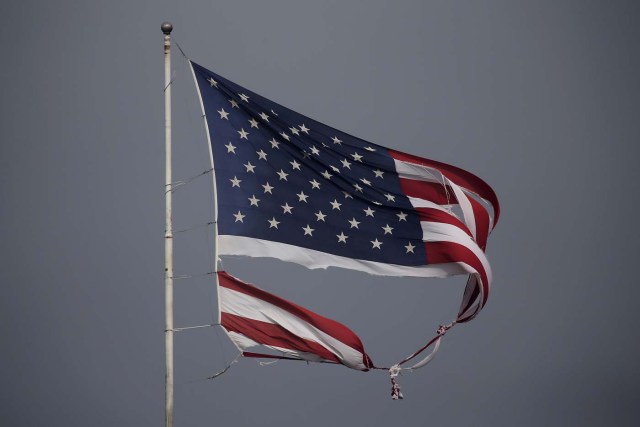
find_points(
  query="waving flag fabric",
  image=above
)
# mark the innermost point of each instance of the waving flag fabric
(253, 317)
(295, 189)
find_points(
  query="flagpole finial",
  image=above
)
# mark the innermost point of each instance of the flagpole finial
(167, 27)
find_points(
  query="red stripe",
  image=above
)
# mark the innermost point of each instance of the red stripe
(330, 327)
(446, 252)
(432, 191)
(457, 175)
(274, 335)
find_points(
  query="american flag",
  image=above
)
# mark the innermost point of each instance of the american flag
(292, 188)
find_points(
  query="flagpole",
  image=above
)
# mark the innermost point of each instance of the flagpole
(168, 233)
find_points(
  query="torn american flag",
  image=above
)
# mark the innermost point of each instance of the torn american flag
(292, 188)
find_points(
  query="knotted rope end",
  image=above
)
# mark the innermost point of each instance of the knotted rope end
(394, 371)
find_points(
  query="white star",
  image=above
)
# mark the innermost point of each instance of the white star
(285, 136)
(294, 131)
(243, 134)
(365, 181)
(369, 148)
(249, 167)
(357, 157)
(387, 229)
(261, 155)
(267, 188)
(410, 248)
(402, 216)
(302, 197)
(335, 204)
(264, 117)
(378, 173)
(274, 113)
(308, 230)
(357, 187)
(347, 195)
(304, 129)
(239, 216)
(314, 184)
(274, 144)
(315, 151)
(341, 237)
(253, 200)
(273, 223)
(231, 148)
(254, 123)
(335, 169)
(320, 216)
(234, 104)
(212, 82)
(368, 212)
(283, 175)
(336, 140)
(244, 97)
(390, 197)
(286, 208)
(223, 114)
(235, 182)
(345, 163)
(376, 244)
(295, 165)
(354, 223)
(326, 175)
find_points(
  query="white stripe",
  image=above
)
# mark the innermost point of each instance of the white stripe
(241, 341)
(249, 246)
(423, 203)
(417, 172)
(298, 354)
(465, 205)
(243, 305)
(427, 359)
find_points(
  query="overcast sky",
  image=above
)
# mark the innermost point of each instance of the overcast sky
(540, 99)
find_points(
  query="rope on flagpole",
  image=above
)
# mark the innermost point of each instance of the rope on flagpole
(193, 327)
(190, 276)
(180, 183)
(193, 227)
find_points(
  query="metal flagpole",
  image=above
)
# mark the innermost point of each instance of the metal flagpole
(168, 233)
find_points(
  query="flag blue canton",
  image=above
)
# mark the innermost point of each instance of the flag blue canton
(283, 177)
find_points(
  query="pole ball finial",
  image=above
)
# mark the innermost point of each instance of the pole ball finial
(166, 27)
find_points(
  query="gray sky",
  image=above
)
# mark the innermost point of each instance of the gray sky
(540, 99)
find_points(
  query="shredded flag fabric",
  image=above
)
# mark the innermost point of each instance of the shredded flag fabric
(292, 188)
(253, 317)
